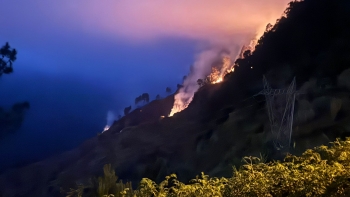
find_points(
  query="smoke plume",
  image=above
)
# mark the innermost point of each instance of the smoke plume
(224, 24)
(110, 117)
(202, 67)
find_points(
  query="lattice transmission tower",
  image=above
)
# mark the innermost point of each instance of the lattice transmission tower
(280, 108)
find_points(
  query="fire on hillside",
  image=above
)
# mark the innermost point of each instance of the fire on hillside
(183, 98)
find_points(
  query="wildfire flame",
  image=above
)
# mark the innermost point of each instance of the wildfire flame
(250, 47)
(183, 99)
(181, 102)
(217, 76)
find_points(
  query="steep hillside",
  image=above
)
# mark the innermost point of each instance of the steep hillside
(151, 112)
(225, 121)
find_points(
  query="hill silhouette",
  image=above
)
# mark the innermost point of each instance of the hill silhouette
(225, 121)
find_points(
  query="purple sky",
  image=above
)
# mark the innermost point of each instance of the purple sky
(78, 59)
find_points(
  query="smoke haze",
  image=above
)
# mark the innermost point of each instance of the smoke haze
(79, 58)
(223, 23)
(110, 117)
(144, 20)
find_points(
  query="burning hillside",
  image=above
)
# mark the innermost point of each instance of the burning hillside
(217, 73)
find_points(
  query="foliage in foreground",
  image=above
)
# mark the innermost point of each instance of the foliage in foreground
(322, 171)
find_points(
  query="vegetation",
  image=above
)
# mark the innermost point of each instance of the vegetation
(7, 57)
(127, 110)
(311, 37)
(105, 186)
(142, 98)
(168, 90)
(322, 171)
(310, 40)
(12, 119)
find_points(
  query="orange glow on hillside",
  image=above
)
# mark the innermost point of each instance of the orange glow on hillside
(182, 100)
(217, 76)
(179, 103)
(258, 25)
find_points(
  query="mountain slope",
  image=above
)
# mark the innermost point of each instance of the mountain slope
(225, 121)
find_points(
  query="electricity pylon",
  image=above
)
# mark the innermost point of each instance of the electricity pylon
(280, 108)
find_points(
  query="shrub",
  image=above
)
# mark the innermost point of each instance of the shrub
(322, 171)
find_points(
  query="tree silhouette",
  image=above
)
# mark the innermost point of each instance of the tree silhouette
(158, 97)
(168, 90)
(200, 82)
(138, 99)
(312, 37)
(145, 97)
(7, 57)
(127, 110)
(11, 120)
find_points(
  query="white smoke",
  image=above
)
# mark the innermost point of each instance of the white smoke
(110, 119)
(201, 68)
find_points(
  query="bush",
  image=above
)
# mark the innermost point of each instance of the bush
(322, 171)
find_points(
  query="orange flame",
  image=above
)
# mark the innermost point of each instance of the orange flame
(180, 103)
(217, 76)
(182, 100)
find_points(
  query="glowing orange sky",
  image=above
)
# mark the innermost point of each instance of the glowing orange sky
(198, 19)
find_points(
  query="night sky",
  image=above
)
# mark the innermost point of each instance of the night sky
(79, 59)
